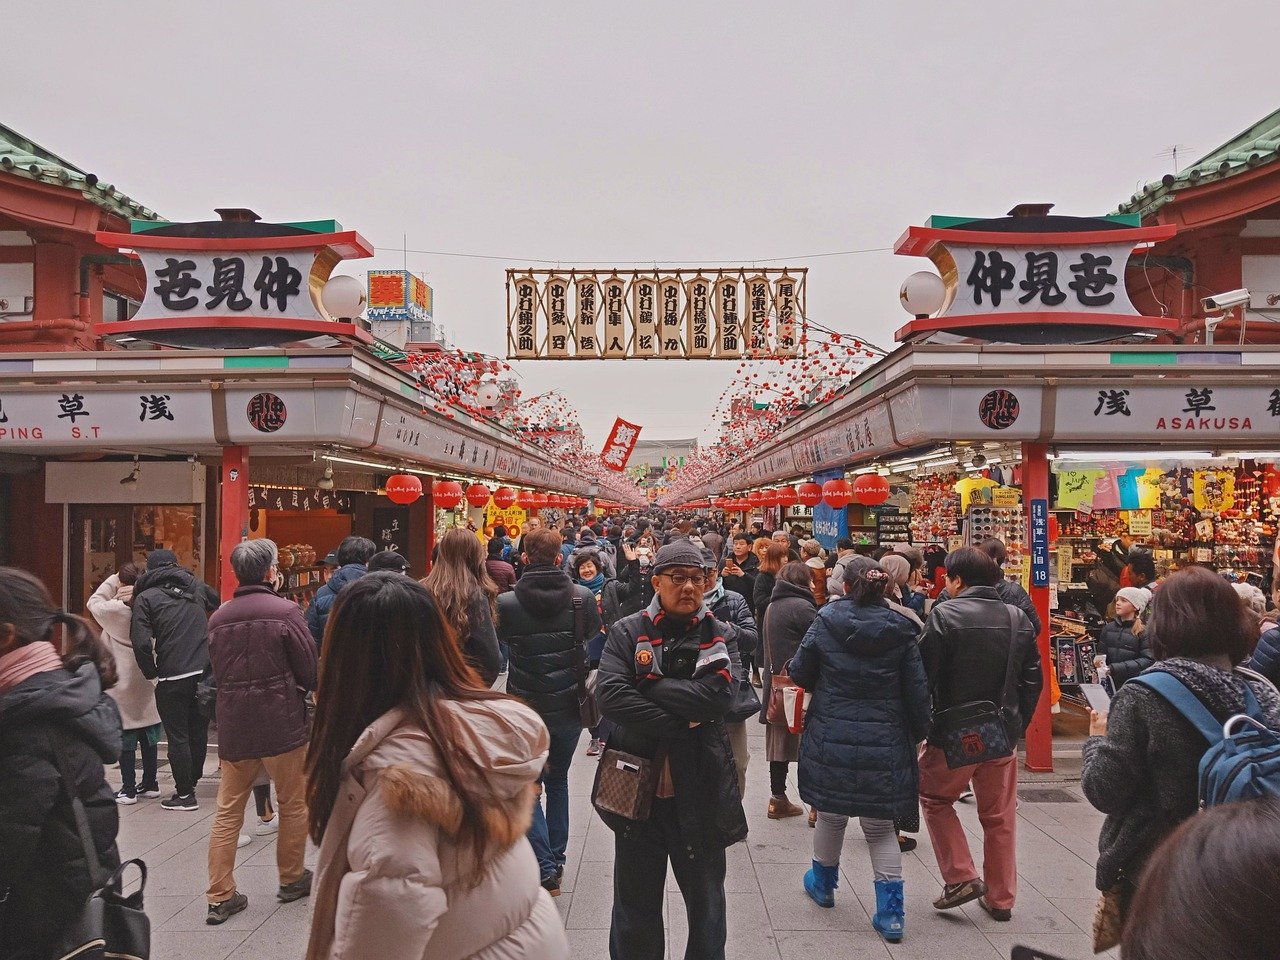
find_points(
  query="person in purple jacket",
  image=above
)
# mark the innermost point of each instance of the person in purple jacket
(264, 661)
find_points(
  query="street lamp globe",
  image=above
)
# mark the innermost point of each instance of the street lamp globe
(922, 294)
(343, 297)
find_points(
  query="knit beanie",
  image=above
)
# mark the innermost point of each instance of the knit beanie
(1140, 597)
(678, 553)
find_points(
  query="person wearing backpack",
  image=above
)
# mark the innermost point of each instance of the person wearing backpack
(1142, 759)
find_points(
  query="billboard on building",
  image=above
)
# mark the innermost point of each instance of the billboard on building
(398, 295)
(694, 313)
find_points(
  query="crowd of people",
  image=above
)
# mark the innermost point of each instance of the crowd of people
(421, 732)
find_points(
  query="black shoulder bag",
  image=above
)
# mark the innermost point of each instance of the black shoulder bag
(588, 708)
(110, 924)
(975, 732)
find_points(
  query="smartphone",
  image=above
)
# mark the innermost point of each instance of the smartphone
(1096, 694)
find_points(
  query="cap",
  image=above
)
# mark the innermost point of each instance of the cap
(387, 560)
(161, 558)
(708, 559)
(678, 553)
(330, 559)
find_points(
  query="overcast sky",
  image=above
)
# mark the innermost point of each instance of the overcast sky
(607, 133)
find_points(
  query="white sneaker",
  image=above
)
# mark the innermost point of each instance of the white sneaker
(243, 841)
(126, 799)
(966, 796)
(264, 828)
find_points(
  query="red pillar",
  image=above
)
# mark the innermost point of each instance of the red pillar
(429, 494)
(234, 497)
(1035, 486)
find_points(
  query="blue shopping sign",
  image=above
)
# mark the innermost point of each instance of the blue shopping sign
(830, 524)
(1039, 543)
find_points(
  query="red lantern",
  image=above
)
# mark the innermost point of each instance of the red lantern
(756, 498)
(447, 493)
(809, 493)
(403, 488)
(555, 500)
(871, 489)
(771, 498)
(504, 497)
(538, 500)
(478, 495)
(837, 493)
(525, 499)
(787, 496)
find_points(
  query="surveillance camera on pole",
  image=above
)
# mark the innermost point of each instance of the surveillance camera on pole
(1218, 306)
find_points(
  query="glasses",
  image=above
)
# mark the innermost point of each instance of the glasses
(684, 579)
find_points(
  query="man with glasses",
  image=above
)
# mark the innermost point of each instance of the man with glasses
(665, 685)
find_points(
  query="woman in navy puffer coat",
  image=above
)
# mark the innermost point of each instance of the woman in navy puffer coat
(858, 751)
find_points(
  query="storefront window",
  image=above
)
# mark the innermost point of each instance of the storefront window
(175, 528)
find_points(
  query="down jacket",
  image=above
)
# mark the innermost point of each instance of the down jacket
(657, 714)
(264, 661)
(390, 878)
(1266, 656)
(870, 708)
(535, 620)
(1127, 655)
(322, 602)
(43, 876)
(170, 626)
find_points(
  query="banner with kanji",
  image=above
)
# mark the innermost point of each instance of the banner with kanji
(622, 440)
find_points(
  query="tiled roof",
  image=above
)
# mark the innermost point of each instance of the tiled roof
(23, 158)
(1252, 148)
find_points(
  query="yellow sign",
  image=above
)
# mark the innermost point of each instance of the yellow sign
(1006, 497)
(1022, 570)
(511, 517)
(1140, 523)
(1065, 557)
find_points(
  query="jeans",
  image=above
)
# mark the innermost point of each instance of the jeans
(186, 729)
(549, 832)
(288, 773)
(995, 787)
(640, 883)
(128, 781)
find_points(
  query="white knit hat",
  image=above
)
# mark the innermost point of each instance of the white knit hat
(1140, 597)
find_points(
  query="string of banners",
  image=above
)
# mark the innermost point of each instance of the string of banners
(693, 313)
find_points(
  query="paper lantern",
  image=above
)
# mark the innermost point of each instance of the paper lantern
(771, 498)
(810, 494)
(525, 499)
(538, 500)
(871, 489)
(478, 495)
(447, 493)
(787, 496)
(837, 493)
(504, 497)
(403, 488)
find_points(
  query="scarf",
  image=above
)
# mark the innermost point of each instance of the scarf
(595, 583)
(713, 652)
(714, 596)
(26, 661)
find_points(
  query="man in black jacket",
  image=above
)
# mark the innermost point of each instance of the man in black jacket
(1010, 591)
(970, 645)
(170, 636)
(666, 682)
(738, 569)
(536, 621)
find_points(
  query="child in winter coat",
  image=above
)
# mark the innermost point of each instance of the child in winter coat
(1123, 638)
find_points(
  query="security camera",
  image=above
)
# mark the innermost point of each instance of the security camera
(1225, 301)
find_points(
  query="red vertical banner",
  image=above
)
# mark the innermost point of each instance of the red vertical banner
(622, 440)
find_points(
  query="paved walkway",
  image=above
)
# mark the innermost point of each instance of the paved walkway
(770, 918)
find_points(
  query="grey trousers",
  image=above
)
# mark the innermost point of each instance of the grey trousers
(886, 856)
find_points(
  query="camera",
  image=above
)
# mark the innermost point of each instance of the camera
(1225, 301)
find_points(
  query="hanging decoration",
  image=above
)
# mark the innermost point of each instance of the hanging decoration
(447, 493)
(478, 495)
(871, 489)
(809, 493)
(504, 497)
(837, 493)
(403, 488)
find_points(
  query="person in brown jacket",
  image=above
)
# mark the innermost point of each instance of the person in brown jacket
(264, 661)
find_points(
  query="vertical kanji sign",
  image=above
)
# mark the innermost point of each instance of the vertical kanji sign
(622, 440)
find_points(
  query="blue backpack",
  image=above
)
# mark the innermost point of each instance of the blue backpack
(1243, 759)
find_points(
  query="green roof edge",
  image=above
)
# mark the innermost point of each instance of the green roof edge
(311, 226)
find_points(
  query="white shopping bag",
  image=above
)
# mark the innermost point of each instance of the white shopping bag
(795, 700)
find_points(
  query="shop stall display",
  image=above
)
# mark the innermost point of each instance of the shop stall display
(935, 509)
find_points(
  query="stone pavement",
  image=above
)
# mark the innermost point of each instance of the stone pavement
(770, 918)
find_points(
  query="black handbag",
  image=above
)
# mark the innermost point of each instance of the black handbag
(746, 703)
(588, 706)
(975, 732)
(111, 924)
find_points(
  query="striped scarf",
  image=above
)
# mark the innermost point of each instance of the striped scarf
(713, 652)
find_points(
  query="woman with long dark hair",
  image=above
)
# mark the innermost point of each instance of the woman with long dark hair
(420, 791)
(773, 557)
(54, 715)
(1142, 758)
(468, 598)
(861, 661)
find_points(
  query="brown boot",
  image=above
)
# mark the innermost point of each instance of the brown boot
(781, 807)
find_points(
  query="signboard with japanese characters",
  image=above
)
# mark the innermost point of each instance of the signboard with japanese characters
(227, 284)
(699, 313)
(1182, 414)
(1033, 278)
(398, 295)
(93, 417)
(617, 448)
(281, 498)
(1039, 543)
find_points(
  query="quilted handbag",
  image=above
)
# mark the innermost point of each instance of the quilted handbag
(975, 732)
(625, 784)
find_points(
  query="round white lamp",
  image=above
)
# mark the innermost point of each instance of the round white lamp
(922, 294)
(488, 393)
(343, 297)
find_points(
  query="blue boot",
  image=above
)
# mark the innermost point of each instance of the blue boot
(890, 920)
(820, 883)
